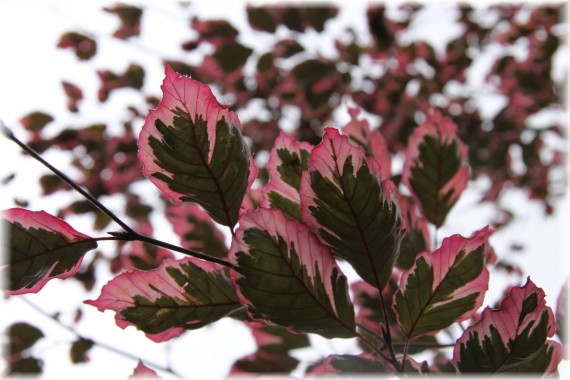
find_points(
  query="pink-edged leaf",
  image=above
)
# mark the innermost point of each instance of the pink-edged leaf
(350, 208)
(143, 372)
(443, 287)
(276, 338)
(287, 277)
(39, 247)
(511, 337)
(180, 294)
(192, 149)
(435, 169)
(371, 318)
(196, 229)
(287, 161)
(417, 237)
(358, 131)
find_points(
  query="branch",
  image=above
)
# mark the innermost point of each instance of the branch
(129, 234)
(100, 344)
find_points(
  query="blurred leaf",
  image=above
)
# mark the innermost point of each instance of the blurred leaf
(22, 336)
(36, 121)
(83, 46)
(130, 17)
(79, 349)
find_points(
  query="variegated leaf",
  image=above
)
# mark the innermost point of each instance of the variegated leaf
(39, 247)
(192, 149)
(196, 229)
(338, 365)
(181, 294)
(417, 237)
(358, 131)
(286, 162)
(444, 287)
(287, 277)
(435, 169)
(352, 211)
(511, 337)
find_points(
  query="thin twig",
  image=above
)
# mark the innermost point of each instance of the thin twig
(100, 344)
(129, 234)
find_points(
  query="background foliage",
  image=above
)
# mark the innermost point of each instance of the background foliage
(298, 74)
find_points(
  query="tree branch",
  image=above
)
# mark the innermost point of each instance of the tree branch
(95, 342)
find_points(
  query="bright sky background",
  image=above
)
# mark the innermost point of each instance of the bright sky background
(30, 73)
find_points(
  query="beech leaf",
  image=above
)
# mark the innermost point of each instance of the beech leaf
(435, 169)
(192, 149)
(443, 287)
(286, 162)
(351, 209)
(39, 247)
(287, 277)
(180, 294)
(512, 336)
(143, 372)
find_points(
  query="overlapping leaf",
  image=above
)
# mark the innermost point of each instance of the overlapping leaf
(443, 287)
(39, 247)
(358, 131)
(356, 214)
(192, 149)
(287, 277)
(196, 229)
(417, 237)
(181, 294)
(286, 162)
(512, 338)
(351, 364)
(435, 169)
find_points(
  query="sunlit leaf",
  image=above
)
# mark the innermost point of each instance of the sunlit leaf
(286, 162)
(192, 149)
(181, 294)
(443, 287)
(39, 247)
(435, 169)
(351, 209)
(287, 277)
(510, 337)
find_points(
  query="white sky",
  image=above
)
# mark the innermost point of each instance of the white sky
(31, 69)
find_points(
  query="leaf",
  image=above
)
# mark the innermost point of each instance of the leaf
(351, 364)
(22, 336)
(143, 372)
(353, 212)
(39, 247)
(358, 131)
(130, 17)
(417, 237)
(509, 337)
(444, 287)
(561, 310)
(192, 149)
(286, 162)
(264, 362)
(28, 365)
(435, 169)
(181, 294)
(79, 349)
(277, 339)
(285, 276)
(196, 230)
